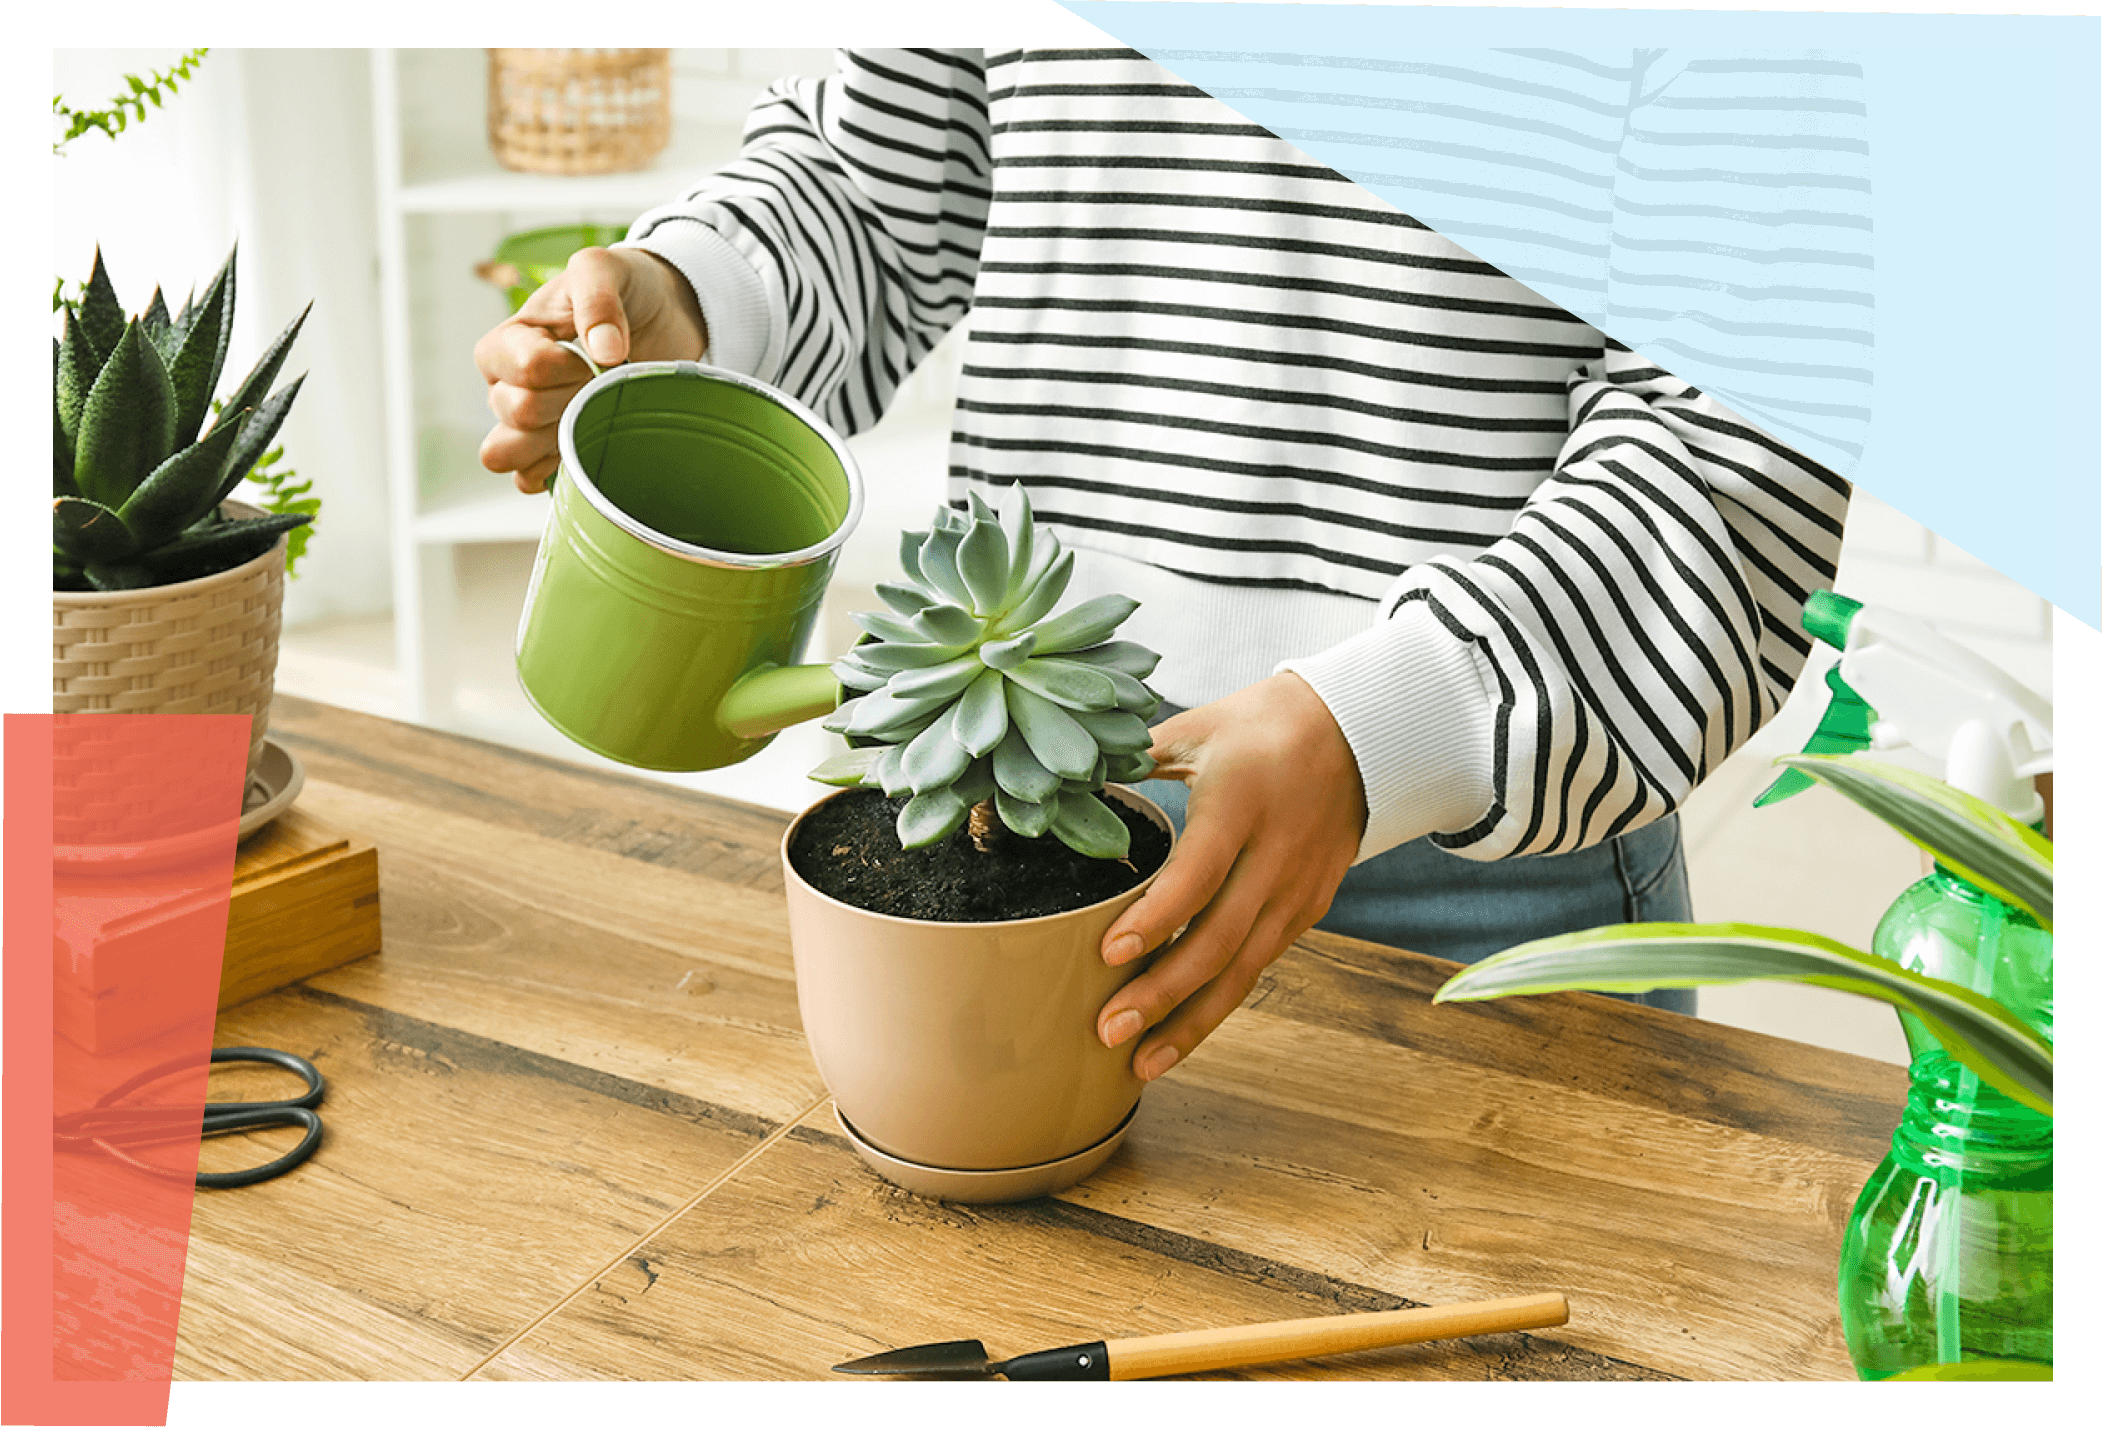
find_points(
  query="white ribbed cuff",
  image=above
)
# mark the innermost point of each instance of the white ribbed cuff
(1412, 704)
(731, 292)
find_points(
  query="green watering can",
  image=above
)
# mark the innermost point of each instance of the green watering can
(696, 519)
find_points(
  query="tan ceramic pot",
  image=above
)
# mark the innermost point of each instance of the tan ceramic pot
(965, 1046)
(204, 646)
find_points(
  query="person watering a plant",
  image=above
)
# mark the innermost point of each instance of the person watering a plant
(1457, 598)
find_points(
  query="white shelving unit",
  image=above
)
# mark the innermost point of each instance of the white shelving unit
(443, 204)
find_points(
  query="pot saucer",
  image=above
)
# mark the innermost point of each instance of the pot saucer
(279, 776)
(1015, 1183)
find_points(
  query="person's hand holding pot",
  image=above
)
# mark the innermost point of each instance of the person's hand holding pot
(622, 304)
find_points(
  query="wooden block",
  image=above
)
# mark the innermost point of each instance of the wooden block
(305, 899)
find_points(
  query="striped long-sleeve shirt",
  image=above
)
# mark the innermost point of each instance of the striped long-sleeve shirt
(1543, 586)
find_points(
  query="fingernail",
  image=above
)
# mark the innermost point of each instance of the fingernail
(1156, 1062)
(1122, 1028)
(1124, 948)
(604, 340)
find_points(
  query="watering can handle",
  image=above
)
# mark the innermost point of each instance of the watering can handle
(596, 371)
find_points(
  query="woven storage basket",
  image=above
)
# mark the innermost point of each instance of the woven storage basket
(579, 111)
(207, 646)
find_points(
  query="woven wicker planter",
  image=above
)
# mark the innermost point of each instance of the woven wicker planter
(206, 646)
(579, 111)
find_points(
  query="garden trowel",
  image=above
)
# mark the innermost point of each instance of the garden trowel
(1195, 1351)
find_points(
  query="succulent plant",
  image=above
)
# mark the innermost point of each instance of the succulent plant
(135, 487)
(983, 705)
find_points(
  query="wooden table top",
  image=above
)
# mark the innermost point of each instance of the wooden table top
(574, 1132)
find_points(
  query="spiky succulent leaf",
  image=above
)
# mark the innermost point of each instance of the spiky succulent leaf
(101, 315)
(87, 532)
(158, 325)
(257, 436)
(257, 382)
(129, 400)
(75, 378)
(953, 683)
(197, 352)
(127, 425)
(182, 489)
(61, 445)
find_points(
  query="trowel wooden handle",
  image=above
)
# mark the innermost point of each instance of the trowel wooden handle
(1195, 1351)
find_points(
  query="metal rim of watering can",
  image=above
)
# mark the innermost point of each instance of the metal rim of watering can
(573, 466)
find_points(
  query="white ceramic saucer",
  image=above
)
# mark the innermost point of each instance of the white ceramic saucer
(1017, 1183)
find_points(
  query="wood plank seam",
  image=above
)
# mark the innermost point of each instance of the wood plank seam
(647, 1236)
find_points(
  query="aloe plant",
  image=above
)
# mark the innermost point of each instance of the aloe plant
(972, 697)
(137, 476)
(1979, 842)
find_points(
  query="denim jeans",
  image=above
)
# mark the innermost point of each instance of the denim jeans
(1420, 897)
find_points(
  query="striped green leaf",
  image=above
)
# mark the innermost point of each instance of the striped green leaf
(1638, 957)
(1968, 836)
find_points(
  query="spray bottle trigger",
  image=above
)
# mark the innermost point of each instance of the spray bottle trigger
(1843, 728)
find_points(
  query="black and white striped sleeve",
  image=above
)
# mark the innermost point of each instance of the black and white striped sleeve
(1583, 674)
(840, 245)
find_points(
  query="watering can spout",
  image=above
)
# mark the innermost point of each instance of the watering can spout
(773, 697)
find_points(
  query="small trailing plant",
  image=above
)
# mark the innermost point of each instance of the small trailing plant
(127, 108)
(983, 706)
(136, 478)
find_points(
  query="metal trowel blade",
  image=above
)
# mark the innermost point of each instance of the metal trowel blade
(951, 1359)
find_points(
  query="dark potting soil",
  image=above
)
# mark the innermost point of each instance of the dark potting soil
(848, 849)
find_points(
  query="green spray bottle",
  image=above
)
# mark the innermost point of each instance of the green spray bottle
(1947, 1256)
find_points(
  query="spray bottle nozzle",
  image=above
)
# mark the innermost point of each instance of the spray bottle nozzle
(1844, 727)
(1991, 734)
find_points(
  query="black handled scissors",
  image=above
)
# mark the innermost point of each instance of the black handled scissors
(109, 1127)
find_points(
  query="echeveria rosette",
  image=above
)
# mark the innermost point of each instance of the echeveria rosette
(135, 488)
(971, 693)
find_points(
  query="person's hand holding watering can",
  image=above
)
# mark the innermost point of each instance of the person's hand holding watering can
(622, 304)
